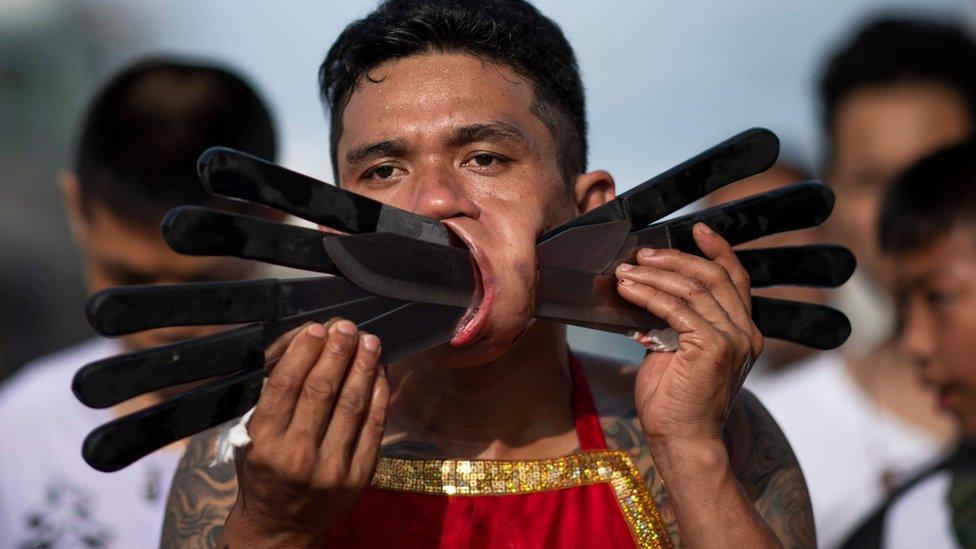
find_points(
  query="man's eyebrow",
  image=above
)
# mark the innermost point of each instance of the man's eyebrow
(357, 155)
(491, 132)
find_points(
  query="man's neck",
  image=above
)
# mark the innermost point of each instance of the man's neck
(518, 406)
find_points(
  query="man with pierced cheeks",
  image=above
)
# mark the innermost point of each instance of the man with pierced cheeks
(472, 113)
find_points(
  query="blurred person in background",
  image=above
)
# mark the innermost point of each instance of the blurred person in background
(859, 419)
(928, 230)
(776, 354)
(135, 159)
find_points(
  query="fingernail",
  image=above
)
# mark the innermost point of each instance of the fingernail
(624, 267)
(346, 327)
(647, 252)
(625, 281)
(316, 330)
(381, 370)
(705, 229)
(371, 342)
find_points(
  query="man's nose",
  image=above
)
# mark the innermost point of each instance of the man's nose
(917, 337)
(442, 194)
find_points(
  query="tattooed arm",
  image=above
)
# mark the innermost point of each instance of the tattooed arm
(200, 497)
(764, 463)
(761, 457)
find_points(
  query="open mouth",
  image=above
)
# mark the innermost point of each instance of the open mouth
(476, 317)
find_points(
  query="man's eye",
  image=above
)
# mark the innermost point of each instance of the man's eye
(385, 171)
(936, 298)
(485, 160)
(132, 279)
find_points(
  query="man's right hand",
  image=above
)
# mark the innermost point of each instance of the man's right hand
(315, 436)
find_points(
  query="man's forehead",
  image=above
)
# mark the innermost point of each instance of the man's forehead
(948, 254)
(434, 93)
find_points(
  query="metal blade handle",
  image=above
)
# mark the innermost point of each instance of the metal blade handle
(129, 309)
(112, 380)
(821, 265)
(407, 329)
(195, 230)
(816, 326)
(797, 206)
(236, 174)
(745, 154)
(121, 442)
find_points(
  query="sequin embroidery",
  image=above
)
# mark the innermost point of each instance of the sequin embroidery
(489, 477)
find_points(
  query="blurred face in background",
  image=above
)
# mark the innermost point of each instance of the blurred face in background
(118, 252)
(877, 132)
(935, 288)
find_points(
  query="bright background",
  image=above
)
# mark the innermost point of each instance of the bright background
(664, 79)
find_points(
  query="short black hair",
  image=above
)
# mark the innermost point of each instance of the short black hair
(895, 49)
(141, 137)
(930, 199)
(508, 32)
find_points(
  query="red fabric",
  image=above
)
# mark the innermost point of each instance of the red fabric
(579, 517)
(582, 517)
(588, 428)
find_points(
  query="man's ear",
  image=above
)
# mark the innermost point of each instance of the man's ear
(75, 210)
(593, 189)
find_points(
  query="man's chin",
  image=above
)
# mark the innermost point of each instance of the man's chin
(492, 343)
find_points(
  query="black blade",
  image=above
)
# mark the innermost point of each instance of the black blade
(236, 174)
(748, 153)
(392, 265)
(406, 330)
(112, 380)
(129, 309)
(121, 442)
(797, 206)
(195, 230)
(592, 301)
(589, 248)
(821, 265)
(816, 326)
(589, 300)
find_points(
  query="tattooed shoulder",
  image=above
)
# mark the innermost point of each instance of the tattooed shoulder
(612, 385)
(200, 497)
(765, 465)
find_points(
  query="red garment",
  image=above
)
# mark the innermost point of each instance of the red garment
(592, 498)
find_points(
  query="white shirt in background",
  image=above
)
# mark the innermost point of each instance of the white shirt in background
(921, 516)
(845, 445)
(49, 496)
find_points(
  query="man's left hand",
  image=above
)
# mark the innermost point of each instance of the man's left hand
(685, 395)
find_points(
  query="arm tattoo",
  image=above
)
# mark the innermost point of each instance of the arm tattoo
(200, 497)
(622, 430)
(764, 463)
(761, 457)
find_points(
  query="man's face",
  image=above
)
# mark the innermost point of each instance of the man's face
(454, 138)
(935, 289)
(117, 252)
(878, 132)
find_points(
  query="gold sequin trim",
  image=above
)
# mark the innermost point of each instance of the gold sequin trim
(494, 478)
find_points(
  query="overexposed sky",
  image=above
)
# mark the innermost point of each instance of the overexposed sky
(664, 78)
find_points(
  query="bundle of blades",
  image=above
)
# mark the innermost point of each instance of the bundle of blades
(399, 278)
